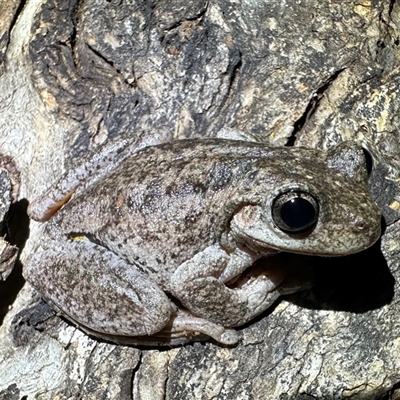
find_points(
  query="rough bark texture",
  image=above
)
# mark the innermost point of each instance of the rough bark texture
(77, 74)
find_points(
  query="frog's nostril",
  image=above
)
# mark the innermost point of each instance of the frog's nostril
(365, 227)
(360, 225)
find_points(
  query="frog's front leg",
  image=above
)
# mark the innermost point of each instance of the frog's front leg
(202, 285)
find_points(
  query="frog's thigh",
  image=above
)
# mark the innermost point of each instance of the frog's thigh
(199, 285)
(98, 290)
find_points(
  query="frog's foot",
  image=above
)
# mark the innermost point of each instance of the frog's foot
(211, 285)
(98, 290)
(185, 325)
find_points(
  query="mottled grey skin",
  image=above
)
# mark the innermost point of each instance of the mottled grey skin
(186, 219)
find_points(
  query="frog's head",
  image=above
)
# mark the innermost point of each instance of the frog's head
(319, 204)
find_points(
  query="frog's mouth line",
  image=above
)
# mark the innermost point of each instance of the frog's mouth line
(269, 250)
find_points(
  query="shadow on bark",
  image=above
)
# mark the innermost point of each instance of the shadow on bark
(16, 232)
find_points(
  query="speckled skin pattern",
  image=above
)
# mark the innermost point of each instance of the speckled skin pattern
(184, 220)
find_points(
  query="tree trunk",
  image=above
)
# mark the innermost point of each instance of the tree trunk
(76, 75)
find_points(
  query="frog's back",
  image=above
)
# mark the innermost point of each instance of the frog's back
(166, 203)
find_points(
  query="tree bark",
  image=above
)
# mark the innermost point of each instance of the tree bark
(76, 75)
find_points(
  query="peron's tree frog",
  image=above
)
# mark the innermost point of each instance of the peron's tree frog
(156, 248)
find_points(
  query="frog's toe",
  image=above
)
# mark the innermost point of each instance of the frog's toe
(229, 337)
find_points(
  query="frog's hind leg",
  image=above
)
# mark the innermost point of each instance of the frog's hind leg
(184, 327)
(98, 290)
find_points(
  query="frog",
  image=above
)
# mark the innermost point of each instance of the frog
(160, 247)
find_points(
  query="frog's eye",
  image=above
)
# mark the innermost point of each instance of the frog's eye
(295, 211)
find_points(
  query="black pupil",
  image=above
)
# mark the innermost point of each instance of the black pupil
(298, 214)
